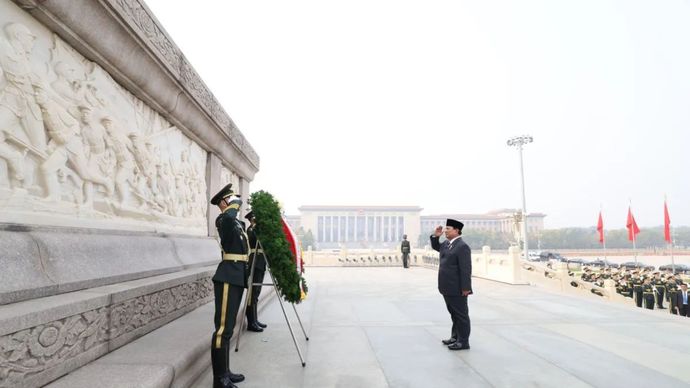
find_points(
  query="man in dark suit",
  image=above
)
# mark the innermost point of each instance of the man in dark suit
(229, 283)
(455, 280)
(682, 300)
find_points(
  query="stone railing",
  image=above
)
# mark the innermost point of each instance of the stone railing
(560, 278)
(487, 265)
(360, 258)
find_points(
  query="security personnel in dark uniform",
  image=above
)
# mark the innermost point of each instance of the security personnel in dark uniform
(229, 283)
(455, 281)
(648, 292)
(256, 256)
(405, 250)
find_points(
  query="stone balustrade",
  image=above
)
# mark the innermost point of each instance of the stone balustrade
(360, 258)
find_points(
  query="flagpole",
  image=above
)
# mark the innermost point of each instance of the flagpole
(603, 236)
(634, 237)
(673, 261)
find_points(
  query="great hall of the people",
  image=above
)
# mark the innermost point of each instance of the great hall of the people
(384, 226)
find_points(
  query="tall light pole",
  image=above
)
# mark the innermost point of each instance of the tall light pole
(519, 142)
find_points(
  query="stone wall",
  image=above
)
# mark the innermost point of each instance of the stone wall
(43, 339)
(104, 126)
(110, 147)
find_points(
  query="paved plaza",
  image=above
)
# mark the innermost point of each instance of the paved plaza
(382, 327)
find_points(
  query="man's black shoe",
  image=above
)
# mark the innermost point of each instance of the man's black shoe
(236, 377)
(449, 341)
(254, 327)
(458, 346)
(262, 325)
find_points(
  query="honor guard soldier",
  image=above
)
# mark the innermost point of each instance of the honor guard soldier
(638, 289)
(648, 292)
(405, 250)
(258, 259)
(660, 286)
(229, 283)
(671, 293)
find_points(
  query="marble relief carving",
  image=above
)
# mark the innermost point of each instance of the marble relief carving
(228, 176)
(139, 19)
(34, 350)
(39, 348)
(75, 143)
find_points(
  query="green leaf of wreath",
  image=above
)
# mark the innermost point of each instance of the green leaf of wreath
(269, 231)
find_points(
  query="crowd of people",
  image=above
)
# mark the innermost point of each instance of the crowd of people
(646, 287)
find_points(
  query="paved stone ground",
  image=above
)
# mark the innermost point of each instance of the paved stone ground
(382, 327)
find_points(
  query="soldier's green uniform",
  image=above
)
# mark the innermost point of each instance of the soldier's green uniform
(648, 292)
(671, 292)
(405, 250)
(660, 286)
(629, 284)
(229, 283)
(637, 290)
(256, 256)
(586, 276)
(622, 287)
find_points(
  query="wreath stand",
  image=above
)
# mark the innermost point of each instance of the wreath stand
(280, 300)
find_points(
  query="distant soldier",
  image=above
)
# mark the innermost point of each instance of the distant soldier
(671, 293)
(586, 275)
(405, 250)
(229, 283)
(660, 286)
(648, 292)
(637, 288)
(627, 279)
(257, 257)
(621, 286)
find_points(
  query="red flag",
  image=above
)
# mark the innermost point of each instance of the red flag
(633, 230)
(600, 229)
(667, 224)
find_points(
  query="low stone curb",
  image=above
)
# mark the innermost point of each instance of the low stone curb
(174, 355)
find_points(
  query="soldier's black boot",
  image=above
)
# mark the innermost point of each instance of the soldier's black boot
(253, 326)
(256, 318)
(219, 363)
(251, 319)
(234, 377)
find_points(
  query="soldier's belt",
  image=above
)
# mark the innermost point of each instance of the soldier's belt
(256, 251)
(235, 257)
(649, 293)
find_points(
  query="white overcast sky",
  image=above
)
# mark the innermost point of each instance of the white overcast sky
(372, 102)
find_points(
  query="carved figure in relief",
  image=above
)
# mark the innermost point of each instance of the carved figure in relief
(18, 107)
(164, 192)
(144, 159)
(121, 148)
(14, 160)
(98, 159)
(68, 88)
(65, 145)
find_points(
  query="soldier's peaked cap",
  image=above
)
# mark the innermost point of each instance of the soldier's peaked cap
(223, 193)
(454, 224)
(249, 215)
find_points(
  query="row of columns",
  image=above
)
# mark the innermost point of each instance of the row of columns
(379, 231)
